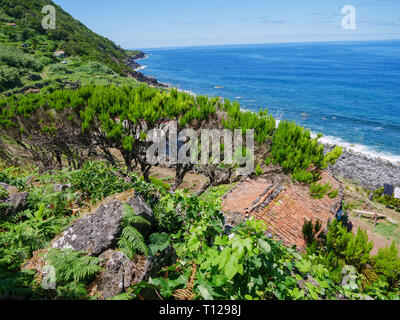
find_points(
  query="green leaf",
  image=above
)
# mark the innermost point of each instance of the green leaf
(264, 245)
(204, 292)
(225, 254)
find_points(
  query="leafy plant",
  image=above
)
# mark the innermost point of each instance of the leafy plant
(158, 242)
(97, 180)
(73, 270)
(333, 194)
(258, 171)
(71, 265)
(386, 200)
(3, 193)
(318, 190)
(132, 240)
(387, 264)
(16, 285)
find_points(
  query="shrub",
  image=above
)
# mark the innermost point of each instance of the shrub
(344, 248)
(387, 264)
(258, 171)
(9, 78)
(386, 200)
(303, 176)
(16, 58)
(333, 194)
(97, 180)
(59, 68)
(94, 67)
(312, 234)
(5, 177)
(295, 150)
(318, 190)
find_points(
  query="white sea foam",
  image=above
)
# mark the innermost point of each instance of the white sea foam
(359, 148)
(141, 68)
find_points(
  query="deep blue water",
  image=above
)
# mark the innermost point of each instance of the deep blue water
(349, 91)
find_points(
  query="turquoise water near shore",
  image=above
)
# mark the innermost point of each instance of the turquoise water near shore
(349, 91)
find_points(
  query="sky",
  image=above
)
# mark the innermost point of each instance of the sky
(145, 24)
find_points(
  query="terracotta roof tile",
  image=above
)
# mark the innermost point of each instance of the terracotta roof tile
(283, 209)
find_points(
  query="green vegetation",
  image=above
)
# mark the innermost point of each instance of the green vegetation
(199, 258)
(114, 117)
(340, 250)
(131, 240)
(387, 264)
(77, 137)
(299, 154)
(27, 51)
(73, 271)
(96, 181)
(333, 194)
(70, 35)
(389, 201)
(258, 171)
(319, 191)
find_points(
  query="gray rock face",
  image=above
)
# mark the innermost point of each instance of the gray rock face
(8, 187)
(119, 273)
(371, 173)
(61, 187)
(16, 200)
(100, 230)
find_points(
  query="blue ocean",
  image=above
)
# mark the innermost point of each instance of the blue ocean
(348, 91)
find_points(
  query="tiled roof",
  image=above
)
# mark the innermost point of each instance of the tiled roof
(283, 206)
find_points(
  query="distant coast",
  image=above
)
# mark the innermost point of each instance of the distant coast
(131, 62)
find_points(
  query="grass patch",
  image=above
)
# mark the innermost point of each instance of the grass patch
(389, 231)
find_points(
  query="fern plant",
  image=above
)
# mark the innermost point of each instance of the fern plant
(131, 240)
(3, 194)
(71, 265)
(16, 285)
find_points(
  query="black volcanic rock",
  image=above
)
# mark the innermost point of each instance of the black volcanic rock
(132, 64)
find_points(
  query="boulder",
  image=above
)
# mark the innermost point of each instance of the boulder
(99, 231)
(119, 273)
(61, 187)
(8, 188)
(16, 201)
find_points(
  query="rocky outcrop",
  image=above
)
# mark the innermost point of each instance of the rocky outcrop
(99, 231)
(371, 173)
(61, 187)
(133, 65)
(15, 201)
(97, 234)
(119, 273)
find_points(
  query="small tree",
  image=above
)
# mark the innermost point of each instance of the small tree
(387, 264)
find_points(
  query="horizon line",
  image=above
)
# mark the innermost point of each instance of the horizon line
(259, 43)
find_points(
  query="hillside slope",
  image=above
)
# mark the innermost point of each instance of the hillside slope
(27, 52)
(70, 35)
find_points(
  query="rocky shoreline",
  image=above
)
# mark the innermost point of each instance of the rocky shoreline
(371, 173)
(133, 65)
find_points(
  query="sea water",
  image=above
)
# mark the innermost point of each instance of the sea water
(348, 91)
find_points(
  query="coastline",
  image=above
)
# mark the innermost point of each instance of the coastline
(368, 168)
(370, 172)
(131, 62)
